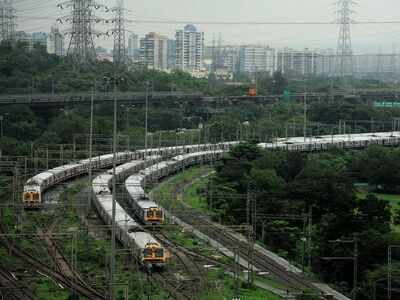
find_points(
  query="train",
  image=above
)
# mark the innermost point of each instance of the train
(326, 142)
(38, 184)
(149, 212)
(34, 187)
(147, 250)
(145, 209)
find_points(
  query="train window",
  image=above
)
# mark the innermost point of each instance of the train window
(35, 196)
(159, 252)
(147, 252)
(159, 214)
(27, 196)
(150, 214)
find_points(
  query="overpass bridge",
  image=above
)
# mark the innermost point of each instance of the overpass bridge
(140, 97)
(126, 97)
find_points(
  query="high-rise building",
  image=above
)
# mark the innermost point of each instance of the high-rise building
(232, 58)
(326, 64)
(22, 36)
(297, 62)
(256, 59)
(189, 48)
(32, 39)
(133, 51)
(171, 54)
(55, 42)
(154, 51)
(39, 38)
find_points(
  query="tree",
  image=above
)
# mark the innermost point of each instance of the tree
(279, 83)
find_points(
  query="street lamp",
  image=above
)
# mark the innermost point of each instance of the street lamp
(127, 109)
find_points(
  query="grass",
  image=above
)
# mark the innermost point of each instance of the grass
(224, 287)
(393, 199)
(192, 197)
(164, 192)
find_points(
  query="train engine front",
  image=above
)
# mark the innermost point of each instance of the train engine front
(154, 215)
(32, 196)
(154, 254)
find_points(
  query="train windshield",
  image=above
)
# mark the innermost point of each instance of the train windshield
(159, 213)
(147, 252)
(150, 214)
(159, 252)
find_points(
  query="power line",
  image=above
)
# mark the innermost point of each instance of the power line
(202, 22)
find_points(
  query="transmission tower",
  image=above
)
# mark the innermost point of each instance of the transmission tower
(81, 46)
(119, 32)
(7, 21)
(344, 65)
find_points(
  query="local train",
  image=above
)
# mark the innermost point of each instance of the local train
(37, 185)
(34, 187)
(147, 250)
(145, 209)
(326, 142)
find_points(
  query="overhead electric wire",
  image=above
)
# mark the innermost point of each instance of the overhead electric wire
(155, 21)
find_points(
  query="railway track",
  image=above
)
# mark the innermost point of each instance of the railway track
(11, 289)
(73, 285)
(186, 280)
(233, 243)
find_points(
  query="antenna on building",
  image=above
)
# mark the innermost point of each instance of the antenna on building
(7, 21)
(119, 33)
(81, 46)
(344, 65)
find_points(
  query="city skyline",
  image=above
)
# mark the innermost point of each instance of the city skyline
(367, 38)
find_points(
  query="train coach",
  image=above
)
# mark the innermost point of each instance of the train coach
(37, 185)
(326, 142)
(145, 209)
(147, 250)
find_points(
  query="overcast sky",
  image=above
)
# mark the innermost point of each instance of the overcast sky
(366, 38)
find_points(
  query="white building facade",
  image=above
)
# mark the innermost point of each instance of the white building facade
(154, 51)
(189, 49)
(254, 59)
(55, 42)
(297, 62)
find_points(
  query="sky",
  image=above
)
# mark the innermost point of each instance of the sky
(39, 15)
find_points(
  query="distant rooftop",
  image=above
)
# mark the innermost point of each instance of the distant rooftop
(190, 28)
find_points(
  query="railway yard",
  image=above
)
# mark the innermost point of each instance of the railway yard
(166, 249)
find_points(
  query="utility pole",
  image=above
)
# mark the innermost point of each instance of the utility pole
(89, 204)
(354, 258)
(344, 64)
(81, 46)
(390, 270)
(114, 194)
(309, 239)
(305, 116)
(7, 21)
(119, 33)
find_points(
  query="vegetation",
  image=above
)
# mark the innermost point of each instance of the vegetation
(296, 184)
